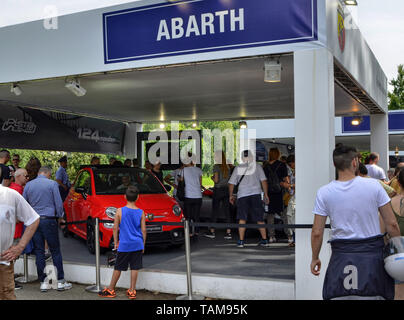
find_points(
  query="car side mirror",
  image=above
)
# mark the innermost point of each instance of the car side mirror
(82, 191)
(168, 187)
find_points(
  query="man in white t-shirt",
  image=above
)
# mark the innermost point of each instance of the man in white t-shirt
(192, 176)
(352, 203)
(251, 181)
(13, 208)
(374, 171)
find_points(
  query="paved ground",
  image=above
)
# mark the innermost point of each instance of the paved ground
(77, 292)
(213, 256)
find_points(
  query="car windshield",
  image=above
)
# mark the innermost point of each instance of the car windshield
(116, 180)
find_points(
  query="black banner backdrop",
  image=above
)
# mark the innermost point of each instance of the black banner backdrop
(25, 128)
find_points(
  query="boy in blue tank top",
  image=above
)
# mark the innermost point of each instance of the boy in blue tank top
(130, 222)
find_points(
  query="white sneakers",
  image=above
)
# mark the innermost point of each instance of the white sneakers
(61, 286)
(45, 286)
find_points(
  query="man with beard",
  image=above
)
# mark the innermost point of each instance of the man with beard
(356, 269)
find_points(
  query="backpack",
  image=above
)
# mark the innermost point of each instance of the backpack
(274, 185)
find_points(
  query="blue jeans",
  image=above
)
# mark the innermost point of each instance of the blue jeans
(47, 230)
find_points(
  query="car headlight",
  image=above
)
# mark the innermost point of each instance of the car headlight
(110, 212)
(177, 210)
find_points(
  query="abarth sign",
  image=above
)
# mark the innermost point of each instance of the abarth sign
(196, 26)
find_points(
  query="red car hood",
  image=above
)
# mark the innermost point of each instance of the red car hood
(145, 201)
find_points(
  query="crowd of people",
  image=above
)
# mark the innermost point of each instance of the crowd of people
(249, 192)
(33, 215)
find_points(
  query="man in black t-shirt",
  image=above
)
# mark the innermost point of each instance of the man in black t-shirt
(276, 206)
(5, 177)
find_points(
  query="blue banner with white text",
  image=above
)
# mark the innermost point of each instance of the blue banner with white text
(396, 123)
(196, 26)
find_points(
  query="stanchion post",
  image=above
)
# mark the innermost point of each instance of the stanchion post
(97, 287)
(188, 296)
(26, 278)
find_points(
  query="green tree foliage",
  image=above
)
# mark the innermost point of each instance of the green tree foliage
(50, 158)
(210, 125)
(396, 98)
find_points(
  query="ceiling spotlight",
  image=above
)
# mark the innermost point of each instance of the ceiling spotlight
(243, 124)
(351, 2)
(273, 70)
(194, 124)
(356, 121)
(162, 125)
(74, 86)
(15, 88)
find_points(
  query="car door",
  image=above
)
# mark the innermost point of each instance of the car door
(80, 205)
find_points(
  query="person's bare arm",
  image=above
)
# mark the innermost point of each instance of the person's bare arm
(317, 233)
(264, 185)
(167, 179)
(215, 177)
(144, 230)
(13, 253)
(61, 184)
(389, 220)
(285, 183)
(115, 231)
(231, 196)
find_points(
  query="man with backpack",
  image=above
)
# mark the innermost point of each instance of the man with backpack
(248, 180)
(276, 173)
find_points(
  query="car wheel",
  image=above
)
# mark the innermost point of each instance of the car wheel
(90, 237)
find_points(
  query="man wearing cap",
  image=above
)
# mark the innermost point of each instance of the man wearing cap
(62, 178)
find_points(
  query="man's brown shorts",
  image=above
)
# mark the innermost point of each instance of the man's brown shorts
(7, 282)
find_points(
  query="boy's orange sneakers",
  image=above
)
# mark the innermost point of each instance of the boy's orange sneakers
(107, 293)
(131, 294)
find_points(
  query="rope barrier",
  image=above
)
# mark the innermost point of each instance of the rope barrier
(211, 225)
(236, 225)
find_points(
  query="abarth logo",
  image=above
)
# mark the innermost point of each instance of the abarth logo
(15, 125)
(341, 27)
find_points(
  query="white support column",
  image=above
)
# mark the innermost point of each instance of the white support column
(130, 143)
(379, 138)
(315, 141)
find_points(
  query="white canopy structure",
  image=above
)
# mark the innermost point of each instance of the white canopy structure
(154, 60)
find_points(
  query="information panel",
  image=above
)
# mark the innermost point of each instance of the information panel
(26, 128)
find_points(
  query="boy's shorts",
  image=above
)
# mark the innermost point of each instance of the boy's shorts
(132, 259)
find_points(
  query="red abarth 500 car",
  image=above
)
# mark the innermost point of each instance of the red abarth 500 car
(99, 190)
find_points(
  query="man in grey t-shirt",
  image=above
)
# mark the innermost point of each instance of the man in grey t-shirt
(251, 181)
